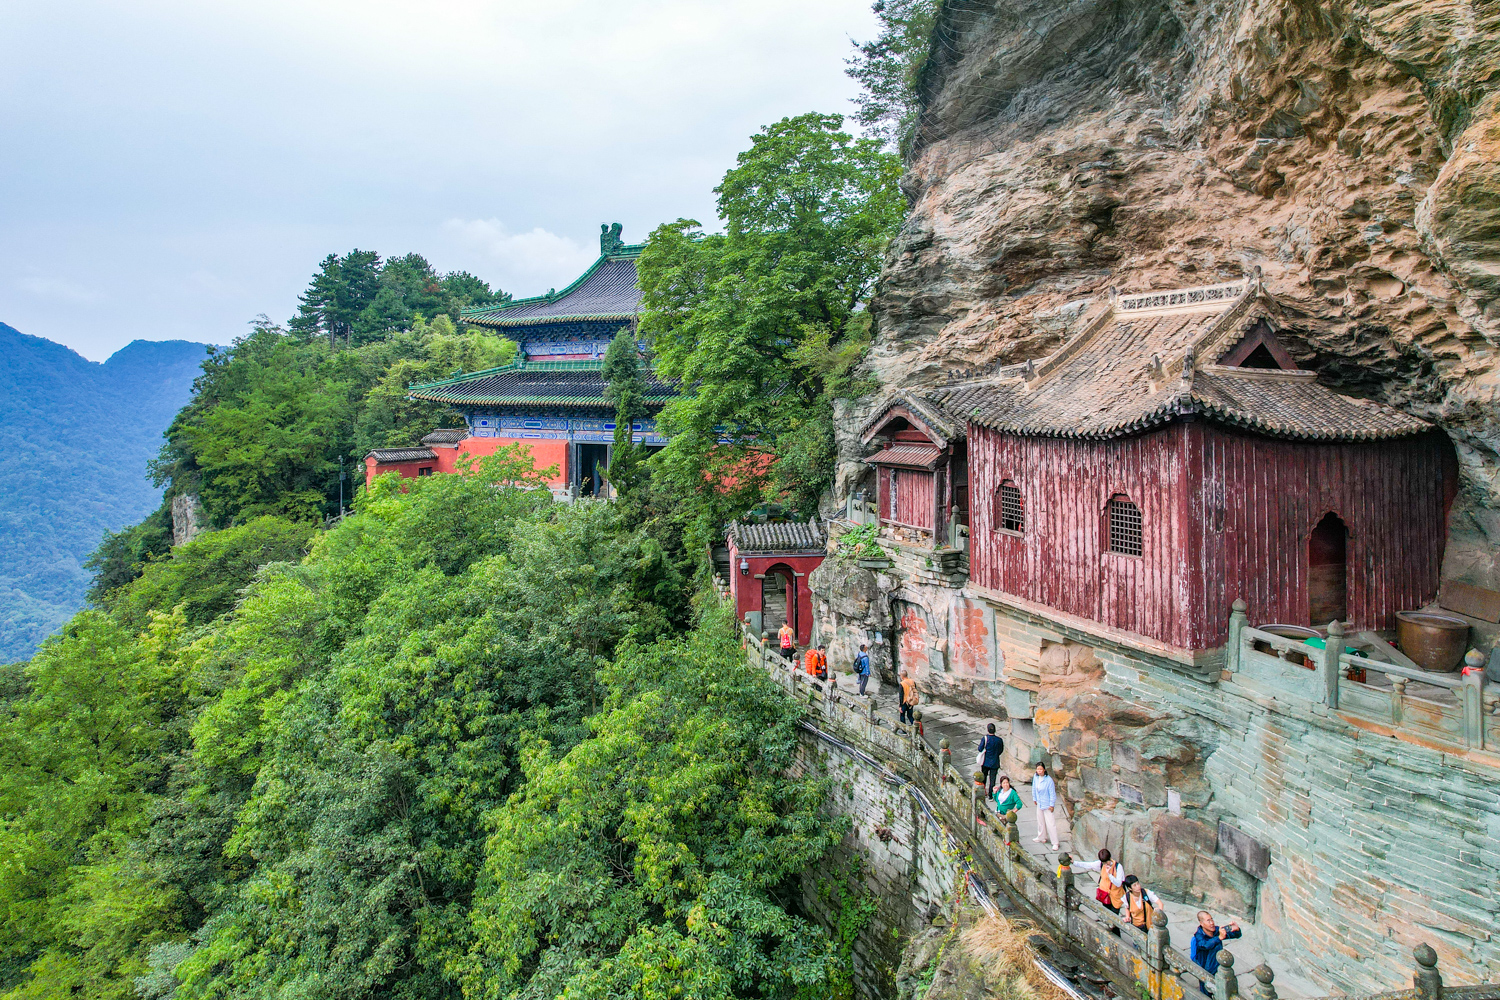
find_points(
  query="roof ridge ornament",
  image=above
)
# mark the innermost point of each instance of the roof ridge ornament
(609, 238)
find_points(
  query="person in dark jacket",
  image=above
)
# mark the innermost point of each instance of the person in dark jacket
(862, 667)
(990, 749)
(1208, 939)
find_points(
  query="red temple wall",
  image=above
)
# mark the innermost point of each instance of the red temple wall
(544, 452)
(1224, 515)
(745, 588)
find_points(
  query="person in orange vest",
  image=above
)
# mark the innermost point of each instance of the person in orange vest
(909, 698)
(817, 662)
(1139, 902)
(788, 641)
(1111, 891)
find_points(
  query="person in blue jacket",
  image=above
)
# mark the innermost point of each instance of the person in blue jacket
(862, 667)
(1208, 939)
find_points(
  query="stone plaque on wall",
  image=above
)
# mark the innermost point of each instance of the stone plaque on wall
(1247, 853)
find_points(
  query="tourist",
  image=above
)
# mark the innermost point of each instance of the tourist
(909, 698)
(1208, 939)
(1044, 794)
(862, 667)
(1111, 890)
(990, 749)
(817, 662)
(1139, 902)
(1007, 798)
(788, 641)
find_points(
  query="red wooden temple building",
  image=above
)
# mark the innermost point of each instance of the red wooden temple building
(1166, 460)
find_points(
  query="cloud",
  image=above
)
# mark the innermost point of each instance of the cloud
(525, 260)
(56, 289)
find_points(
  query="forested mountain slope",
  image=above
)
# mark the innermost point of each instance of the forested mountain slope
(76, 436)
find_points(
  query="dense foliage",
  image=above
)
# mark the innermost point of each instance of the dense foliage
(765, 321)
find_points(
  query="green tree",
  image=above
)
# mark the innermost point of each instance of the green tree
(889, 69)
(749, 319)
(660, 857)
(625, 388)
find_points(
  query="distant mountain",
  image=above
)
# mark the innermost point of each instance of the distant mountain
(75, 437)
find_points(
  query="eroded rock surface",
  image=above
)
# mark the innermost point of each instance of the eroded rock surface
(1351, 150)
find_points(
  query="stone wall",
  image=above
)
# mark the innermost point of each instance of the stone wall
(891, 852)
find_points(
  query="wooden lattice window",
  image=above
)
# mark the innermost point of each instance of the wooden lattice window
(1010, 509)
(1124, 526)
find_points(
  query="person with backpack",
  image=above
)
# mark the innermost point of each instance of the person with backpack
(990, 749)
(1207, 941)
(788, 641)
(1139, 902)
(817, 662)
(862, 667)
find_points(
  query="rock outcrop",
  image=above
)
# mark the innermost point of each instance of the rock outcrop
(1351, 150)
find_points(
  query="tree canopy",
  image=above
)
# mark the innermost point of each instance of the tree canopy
(764, 322)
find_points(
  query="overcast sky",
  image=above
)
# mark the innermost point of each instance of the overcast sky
(172, 169)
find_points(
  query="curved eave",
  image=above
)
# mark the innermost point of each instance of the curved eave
(500, 322)
(570, 401)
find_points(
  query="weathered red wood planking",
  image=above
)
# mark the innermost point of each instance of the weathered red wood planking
(1224, 514)
(910, 497)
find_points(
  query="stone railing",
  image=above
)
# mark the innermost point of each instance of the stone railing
(1457, 710)
(991, 851)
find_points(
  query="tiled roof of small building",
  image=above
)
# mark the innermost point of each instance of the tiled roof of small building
(926, 410)
(1141, 361)
(445, 436)
(534, 383)
(385, 456)
(796, 536)
(607, 290)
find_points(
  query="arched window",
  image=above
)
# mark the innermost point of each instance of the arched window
(1010, 509)
(1124, 526)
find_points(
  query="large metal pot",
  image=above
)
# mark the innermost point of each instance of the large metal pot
(1434, 642)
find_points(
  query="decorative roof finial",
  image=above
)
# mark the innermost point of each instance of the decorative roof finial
(1157, 371)
(609, 238)
(1030, 370)
(1188, 364)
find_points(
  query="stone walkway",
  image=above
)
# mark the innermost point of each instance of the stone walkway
(962, 730)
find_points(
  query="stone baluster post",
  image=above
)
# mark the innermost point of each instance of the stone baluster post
(1329, 665)
(1064, 880)
(1012, 828)
(1158, 940)
(1427, 981)
(1264, 988)
(945, 759)
(1398, 692)
(1226, 983)
(1473, 699)
(1238, 619)
(974, 800)
(794, 683)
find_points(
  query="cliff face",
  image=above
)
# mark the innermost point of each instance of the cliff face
(1350, 149)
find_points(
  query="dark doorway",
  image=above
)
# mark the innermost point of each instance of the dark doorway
(593, 459)
(775, 601)
(1261, 357)
(1328, 572)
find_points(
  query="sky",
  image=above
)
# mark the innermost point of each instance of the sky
(171, 170)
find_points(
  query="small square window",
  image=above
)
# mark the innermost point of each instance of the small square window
(1124, 527)
(425, 470)
(1011, 509)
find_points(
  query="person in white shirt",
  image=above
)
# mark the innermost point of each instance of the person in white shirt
(1111, 891)
(1140, 902)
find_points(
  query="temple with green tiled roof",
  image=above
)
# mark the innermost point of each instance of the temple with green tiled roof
(550, 399)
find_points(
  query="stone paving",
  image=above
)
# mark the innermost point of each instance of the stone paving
(962, 730)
